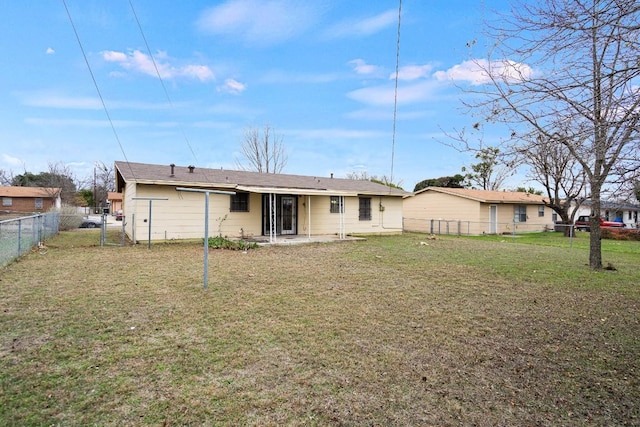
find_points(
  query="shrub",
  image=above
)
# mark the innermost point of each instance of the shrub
(69, 218)
(621, 234)
(220, 242)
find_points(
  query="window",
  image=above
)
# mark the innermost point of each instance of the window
(7, 201)
(335, 204)
(540, 211)
(520, 213)
(365, 209)
(38, 201)
(240, 202)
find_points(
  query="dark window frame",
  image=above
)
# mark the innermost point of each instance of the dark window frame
(364, 208)
(334, 204)
(239, 202)
(520, 213)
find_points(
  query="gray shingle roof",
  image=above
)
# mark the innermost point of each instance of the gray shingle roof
(226, 178)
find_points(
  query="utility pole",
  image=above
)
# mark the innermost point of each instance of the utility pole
(95, 201)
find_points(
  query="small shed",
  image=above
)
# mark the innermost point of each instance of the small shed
(444, 210)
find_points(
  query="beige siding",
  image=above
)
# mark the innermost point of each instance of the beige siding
(506, 215)
(462, 213)
(323, 222)
(182, 215)
(240, 224)
(450, 214)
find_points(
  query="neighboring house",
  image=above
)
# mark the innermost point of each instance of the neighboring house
(29, 199)
(443, 210)
(264, 204)
(627, 213)
(115, 201)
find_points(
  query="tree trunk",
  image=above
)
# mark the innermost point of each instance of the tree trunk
(595, 236)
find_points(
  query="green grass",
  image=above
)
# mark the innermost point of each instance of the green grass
(557, 239)
(387, 331)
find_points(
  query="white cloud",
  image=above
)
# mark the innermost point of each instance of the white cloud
(279, 76)
(11, 161)
(142, 63)
(91, 123)
(412, 72)
(365, 26)
(232, 86)
(385, 95)
(52, 99)
(478, 72)
(362, 68)
(261, 22)
(333, 134)
(50, 51)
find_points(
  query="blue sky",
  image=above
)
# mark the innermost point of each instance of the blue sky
(319, 72)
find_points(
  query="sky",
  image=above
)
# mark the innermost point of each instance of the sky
(319, 73)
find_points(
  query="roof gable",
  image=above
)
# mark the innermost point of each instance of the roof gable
(252, 181)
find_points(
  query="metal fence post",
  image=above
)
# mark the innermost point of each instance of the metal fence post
(19, 236)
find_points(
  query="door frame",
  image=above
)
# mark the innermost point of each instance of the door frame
(493, 219)
(285, 216)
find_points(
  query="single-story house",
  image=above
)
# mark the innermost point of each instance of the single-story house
(614, 211)
(443, 210)
(263, 204)
(115, 201)
(29, 199)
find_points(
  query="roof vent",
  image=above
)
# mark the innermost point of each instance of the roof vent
(191, 168)
(331, 175)
(173, 166)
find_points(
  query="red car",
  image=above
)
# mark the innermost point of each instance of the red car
(582, 223)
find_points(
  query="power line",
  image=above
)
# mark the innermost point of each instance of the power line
(395, 92)
(95, 83)
(164, 87)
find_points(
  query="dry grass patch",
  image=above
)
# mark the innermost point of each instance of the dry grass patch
(381, 332)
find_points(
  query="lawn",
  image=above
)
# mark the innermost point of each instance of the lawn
(395, 330)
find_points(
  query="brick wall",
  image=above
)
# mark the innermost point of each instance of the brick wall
(26, 204)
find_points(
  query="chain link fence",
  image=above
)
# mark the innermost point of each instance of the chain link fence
(20, 235)
(457, 227)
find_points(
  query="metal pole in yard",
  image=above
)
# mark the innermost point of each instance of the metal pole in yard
(206, 240)
(150, 199)
(19, 237)
(206, 224)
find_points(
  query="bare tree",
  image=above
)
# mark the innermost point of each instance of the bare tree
(6, 177)
(103, 182)
(263, 151)
(556, 169)
(358, 176)
(384, 180)
(570, 61)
